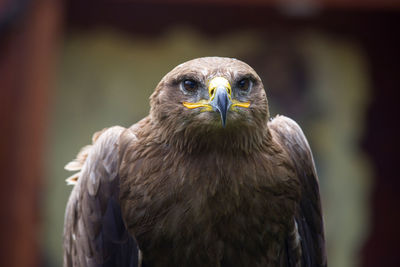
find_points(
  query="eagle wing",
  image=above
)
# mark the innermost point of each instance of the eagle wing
(94, 231)
(308, 217)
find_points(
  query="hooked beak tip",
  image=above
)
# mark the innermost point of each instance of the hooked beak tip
(223, 123)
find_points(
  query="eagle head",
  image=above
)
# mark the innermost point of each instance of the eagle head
(210, 94)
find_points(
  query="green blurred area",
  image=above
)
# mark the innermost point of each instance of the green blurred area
(106, 77)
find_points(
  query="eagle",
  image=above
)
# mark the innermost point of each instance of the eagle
(206, 179)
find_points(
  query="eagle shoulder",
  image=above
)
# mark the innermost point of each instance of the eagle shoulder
(94, 231)
(308, 218)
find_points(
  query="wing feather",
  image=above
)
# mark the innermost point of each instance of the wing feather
(94, 231)
(309, 214)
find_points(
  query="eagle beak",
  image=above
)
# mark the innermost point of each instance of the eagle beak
(221, 102)
(220, 91)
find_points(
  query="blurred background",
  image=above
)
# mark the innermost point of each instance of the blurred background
(70, 68)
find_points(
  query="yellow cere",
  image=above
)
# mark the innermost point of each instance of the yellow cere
(217, 82)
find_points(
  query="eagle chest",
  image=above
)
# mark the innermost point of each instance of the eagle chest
(205, 209)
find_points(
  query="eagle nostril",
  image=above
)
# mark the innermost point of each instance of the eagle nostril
(212, 92)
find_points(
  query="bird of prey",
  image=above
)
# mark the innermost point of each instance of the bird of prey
(206, 179)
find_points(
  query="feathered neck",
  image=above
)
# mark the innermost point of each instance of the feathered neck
(205, 138)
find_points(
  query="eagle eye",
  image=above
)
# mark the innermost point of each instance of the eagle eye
(244, 84)
(190, 85)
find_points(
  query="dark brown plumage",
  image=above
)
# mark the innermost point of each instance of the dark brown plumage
(181, 188)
